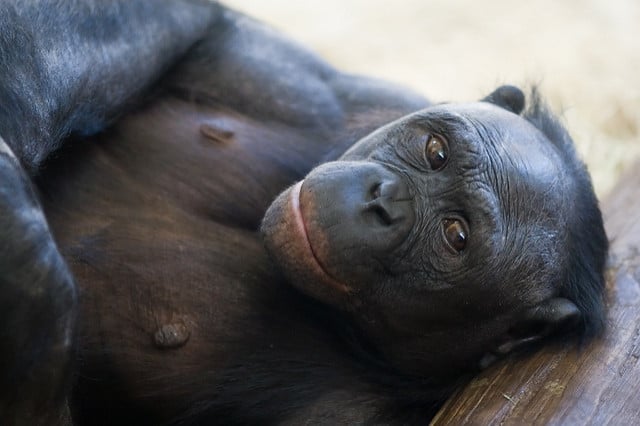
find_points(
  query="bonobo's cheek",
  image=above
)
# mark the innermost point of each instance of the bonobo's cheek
(286, 240)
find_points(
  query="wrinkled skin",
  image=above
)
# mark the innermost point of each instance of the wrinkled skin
(399, 278)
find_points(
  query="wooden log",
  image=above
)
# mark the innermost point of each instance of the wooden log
(597, 384)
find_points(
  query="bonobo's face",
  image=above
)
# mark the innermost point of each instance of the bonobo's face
(439, 234)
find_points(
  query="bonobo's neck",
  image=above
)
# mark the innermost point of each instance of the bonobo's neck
(308, 364)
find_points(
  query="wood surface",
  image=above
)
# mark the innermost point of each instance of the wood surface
(596, 384)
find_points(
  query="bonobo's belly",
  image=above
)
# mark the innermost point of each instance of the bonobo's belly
(159, 225)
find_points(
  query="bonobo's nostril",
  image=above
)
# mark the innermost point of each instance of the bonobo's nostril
(376, 191)
(383, 203)
(385, 189)
(377, 208)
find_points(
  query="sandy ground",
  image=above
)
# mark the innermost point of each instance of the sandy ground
(585, 54)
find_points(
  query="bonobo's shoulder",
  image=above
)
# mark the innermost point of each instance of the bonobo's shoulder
(256, 70)
(253, 69)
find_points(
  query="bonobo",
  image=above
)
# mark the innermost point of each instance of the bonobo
(408, 245)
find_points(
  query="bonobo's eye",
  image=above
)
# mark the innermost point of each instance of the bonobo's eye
(436, 152)
(455, 234)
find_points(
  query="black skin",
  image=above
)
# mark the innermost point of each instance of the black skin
(364, 293)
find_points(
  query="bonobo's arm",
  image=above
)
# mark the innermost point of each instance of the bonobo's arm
(70, 66)
(37, 306)
(251, 68)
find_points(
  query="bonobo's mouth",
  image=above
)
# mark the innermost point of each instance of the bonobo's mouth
(302, 230)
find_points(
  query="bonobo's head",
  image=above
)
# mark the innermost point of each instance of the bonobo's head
(450, 236)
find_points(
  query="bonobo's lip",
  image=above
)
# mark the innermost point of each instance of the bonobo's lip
(302, 229)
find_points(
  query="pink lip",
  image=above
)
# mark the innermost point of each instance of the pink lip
(297, 213)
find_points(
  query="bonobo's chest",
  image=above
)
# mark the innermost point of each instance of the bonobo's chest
(159, 225)
(211, 162)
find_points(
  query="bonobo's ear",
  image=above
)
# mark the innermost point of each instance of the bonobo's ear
(550, 317)
(508, 97)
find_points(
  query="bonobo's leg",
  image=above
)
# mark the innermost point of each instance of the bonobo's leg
(70, 66)
(37, 306)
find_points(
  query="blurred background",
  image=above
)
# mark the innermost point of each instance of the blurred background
(584, 54)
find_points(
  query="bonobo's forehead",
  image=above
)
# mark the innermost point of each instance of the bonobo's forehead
(503, 136)
(518, 162)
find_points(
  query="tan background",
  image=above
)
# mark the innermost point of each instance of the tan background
(584, 53)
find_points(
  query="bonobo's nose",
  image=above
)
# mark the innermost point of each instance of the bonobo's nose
(357, 205)
(386, 197)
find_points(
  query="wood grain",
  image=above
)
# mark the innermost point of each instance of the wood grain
(598, 383)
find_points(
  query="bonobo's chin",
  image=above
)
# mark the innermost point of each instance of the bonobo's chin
(286, 240)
